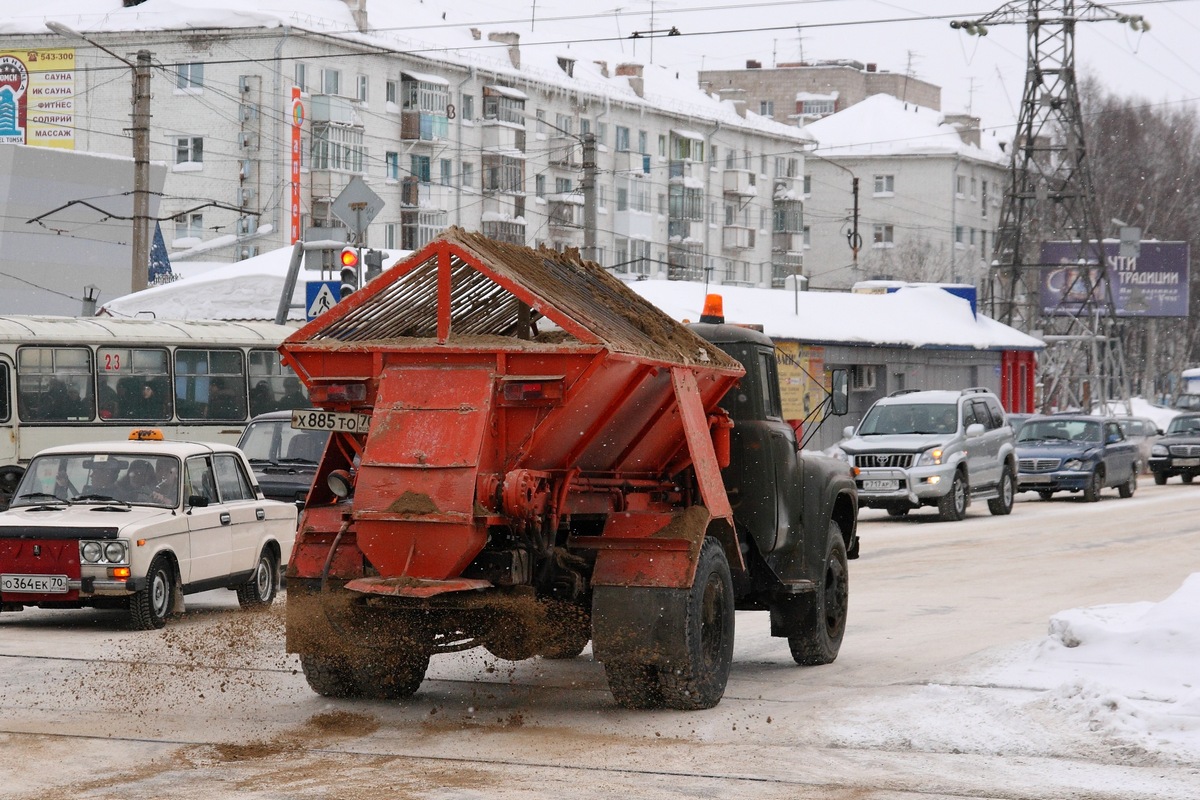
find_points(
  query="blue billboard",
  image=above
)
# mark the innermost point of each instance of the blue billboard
(1152, 284)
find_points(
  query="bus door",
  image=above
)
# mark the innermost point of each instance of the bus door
(10, 470)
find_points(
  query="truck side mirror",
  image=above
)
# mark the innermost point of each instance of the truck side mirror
(839, 395)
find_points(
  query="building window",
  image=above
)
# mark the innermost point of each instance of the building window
(540, 115)
(602, 134)
(302, 77)
(622, 139)
(973, 195)
(562, 185)
(360, 89)
(390, 237)
(807, 233)
(643, 143)
(468, 173)
(817, 108)
(468, 107)
(564, 123)
(960, 186)
(189, 226)
(392, 160)
(766, 108)
(447, 172)
(539, 185)
(807, 185)
(885, 236)
(662, 146)
(885, 184)
(503, 108)
(983, 200)
(958, 235)
(189, 77)
(331, 81)
(189, 150)
(730, 159)
(337, 147)
(389, 91)
(419, 167)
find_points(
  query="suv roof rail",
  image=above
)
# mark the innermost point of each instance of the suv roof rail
(976, 390)
(899, 392)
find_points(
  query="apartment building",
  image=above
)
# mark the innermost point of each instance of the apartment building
(687, 185)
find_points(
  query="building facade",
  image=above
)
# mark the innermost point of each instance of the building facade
(686, 186)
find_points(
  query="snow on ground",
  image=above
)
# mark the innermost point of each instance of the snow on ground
(1119, 683)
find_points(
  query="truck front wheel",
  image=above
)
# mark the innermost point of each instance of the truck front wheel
(820, 639)
(699, 681)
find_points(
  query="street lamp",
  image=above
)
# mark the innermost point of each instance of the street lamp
(141, 153)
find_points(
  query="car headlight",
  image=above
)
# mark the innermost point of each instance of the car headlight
(114, 552)
(109, 552)
(931, 457)
(1073, 465)
(1158, 450)
(90, 552)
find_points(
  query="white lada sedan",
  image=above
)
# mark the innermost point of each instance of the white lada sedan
(136, 525)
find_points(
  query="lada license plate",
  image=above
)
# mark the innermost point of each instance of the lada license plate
(1187, 462)
(34, 584)
(345, 421)
(880, 485)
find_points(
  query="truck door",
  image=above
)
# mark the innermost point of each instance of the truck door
(785, 490)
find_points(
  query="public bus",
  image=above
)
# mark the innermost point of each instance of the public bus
(73, 379)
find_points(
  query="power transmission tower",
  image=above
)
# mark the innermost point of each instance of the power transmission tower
(1051, 196)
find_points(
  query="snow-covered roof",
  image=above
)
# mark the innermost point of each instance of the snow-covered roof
(882, 125)
(910, 317)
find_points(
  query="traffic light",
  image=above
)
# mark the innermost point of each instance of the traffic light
(349, 259)
(373, 259)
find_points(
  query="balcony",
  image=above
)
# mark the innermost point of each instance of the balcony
(565, 214)
(631, 162)
(685, 261)
(504, 231)
(331, 108)
(785, 266)
(502, 139)
(740, 182)
(565, 152)
(787, 242)
(420, 125)
(736, 237)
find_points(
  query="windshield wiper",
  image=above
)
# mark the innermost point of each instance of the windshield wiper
(32, 495)
(296, 461)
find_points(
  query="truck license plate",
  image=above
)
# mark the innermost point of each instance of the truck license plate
(34, 584)
(880, 485)
(344, 421)
(1187, 462)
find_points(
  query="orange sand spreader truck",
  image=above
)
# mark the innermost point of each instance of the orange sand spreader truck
(527, 456)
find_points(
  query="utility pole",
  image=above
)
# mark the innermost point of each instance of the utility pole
(588, 185)
(141, 172)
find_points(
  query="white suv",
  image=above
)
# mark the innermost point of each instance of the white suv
(934, 448)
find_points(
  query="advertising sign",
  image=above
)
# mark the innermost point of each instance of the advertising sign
(803, 384)
(1152, 284)
(297, 127)
(37, 97)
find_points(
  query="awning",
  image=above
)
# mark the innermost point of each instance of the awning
(507, 91)
(424, 77)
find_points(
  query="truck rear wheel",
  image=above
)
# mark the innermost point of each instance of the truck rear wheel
(825, 617)
(328, 676)
(633, 686)
(392, 676)
(699, 682)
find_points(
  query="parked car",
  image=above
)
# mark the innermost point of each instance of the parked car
(1178, 451)
(1075, 453)
(1143, 432)
(137, 524)
(1015, 421)
(284, 459)
(941, 448)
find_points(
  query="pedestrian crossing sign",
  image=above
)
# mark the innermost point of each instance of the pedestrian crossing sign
(319, 297)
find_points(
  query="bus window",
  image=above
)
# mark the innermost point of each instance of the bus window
(273, 387)
(55, 384)
(210, 384)
(133, 383)
(5, 410)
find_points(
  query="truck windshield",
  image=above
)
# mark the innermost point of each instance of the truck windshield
(920, 418)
